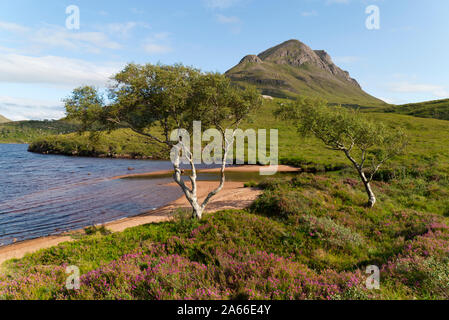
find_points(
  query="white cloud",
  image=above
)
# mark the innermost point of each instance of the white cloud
(233, 21)
(389, 100)
(137, 11)
(227, 20)
(407, 87)
(161, 35)
(153, 48)
(158, 43)
(122, 29)
(312, 13)
(337, 1)
(54, 70)
(61, 37)
(12, 27)
(26, 109)
(220, 4)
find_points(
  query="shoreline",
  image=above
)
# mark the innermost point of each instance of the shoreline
(236, 168)
(233, 196)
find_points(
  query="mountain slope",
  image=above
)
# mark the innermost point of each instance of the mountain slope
(437, 109)
(292, 68)
(3, 119)
(27, 131)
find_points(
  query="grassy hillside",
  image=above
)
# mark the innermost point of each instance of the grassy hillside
(305, 238)
(292, 68)
(28, 131)
(437, 109)
(3, 119)
(427, 149)
(286, 81)
(122, 143)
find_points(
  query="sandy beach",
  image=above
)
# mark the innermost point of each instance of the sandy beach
(233, 196)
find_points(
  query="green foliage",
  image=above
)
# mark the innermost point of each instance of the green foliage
(324, 235)
(85, 106)
(250, 184)
(280, 203)
(28, 131)
(426, 152)
(275, 76)
(144, 97)
(349, 131)
(331, 232)
(438, 109)
(344, 129)
(96, 229)
(120, 143)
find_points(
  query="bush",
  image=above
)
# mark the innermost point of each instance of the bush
(250, 184)
(280, 204)
(330, 232)
(272, 183)
(160, 276)
(429, 276)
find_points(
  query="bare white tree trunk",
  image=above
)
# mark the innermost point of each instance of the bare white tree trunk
(365, 180)
(191, 193)
(369, 191)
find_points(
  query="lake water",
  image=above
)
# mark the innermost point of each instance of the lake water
(46, 194)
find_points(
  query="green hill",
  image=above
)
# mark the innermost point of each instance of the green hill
(429, 138)
(28, 131)
(292, 69)
(3, 119)
(437, 109)
(120, 143)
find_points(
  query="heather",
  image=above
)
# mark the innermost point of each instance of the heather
(306, 237)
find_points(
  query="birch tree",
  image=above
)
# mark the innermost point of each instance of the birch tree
(366, 143)
(155, 101)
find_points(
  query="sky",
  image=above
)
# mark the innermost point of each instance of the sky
(44, 55)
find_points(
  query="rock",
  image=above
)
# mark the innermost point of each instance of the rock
(251, 58)
(292, 68)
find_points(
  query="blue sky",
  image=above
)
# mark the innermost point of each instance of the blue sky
(41, 60)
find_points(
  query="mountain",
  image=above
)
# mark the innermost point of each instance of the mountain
(437, 109)
(27, 131)
(292, 68)
(3, 119)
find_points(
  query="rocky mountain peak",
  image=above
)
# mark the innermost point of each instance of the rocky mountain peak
(251, 58)
(291, 52)
(292, 68)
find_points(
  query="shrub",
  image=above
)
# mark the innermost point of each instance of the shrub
(250, 184)
(272, 183)
(330, 232)
(280, 204)
(429, 276)
(158, 275)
